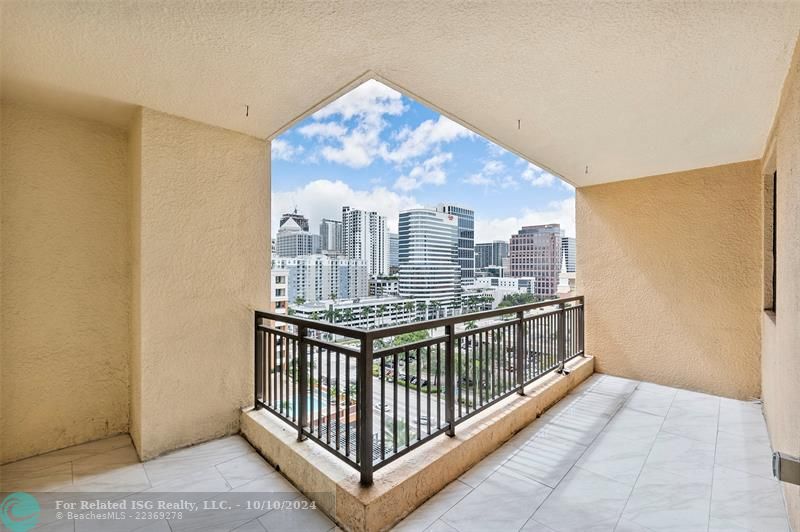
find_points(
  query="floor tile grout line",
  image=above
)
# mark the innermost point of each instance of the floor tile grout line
(713, 468)
(574, 465)
(635, 482)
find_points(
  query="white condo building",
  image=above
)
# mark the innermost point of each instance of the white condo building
(428, 256)
(365, 237)
(316, 277)
(330, 234)
(293, 241)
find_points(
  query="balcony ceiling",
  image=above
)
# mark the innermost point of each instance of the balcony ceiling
(629, 91)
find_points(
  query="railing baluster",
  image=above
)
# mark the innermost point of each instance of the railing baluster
(520, 353)
(450, 385)
(258, 388)
(365, 442)
(302, 398)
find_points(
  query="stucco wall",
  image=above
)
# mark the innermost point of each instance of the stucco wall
(201, 256)
(781, 335)
(66, 281)
(670, 267)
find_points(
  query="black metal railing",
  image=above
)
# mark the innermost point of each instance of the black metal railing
(369, 403)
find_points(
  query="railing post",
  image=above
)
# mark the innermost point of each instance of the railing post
(450, 380)
(581, 314)
(519, 351)
(562, 337)
(258, 345)
(365, 409)
(302, 382)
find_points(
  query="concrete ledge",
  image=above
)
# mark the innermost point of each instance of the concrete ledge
(406, 483)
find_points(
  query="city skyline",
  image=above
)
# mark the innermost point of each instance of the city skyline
(378, 150)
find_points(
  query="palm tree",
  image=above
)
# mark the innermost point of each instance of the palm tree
(315, 315)
(348, 315)
(381, 311)
(422, 307)
(365, 314)
(299, 301)
(470, 325)
(436, 307)
(330, 314)
(471, 302)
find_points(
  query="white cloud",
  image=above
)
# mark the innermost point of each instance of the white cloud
(560, 212)
(324, 199)
(358, 145)
(494, 150)
(323, 130)
(371, 98)
(493, 167)
(490, 176)
(284, 151)
(429, 172)
(426, 136)
(538, 177)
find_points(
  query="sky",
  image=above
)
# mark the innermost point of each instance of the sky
(377, 149)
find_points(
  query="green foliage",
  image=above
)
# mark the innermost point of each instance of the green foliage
(510, 300)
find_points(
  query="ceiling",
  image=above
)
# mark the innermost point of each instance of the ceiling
(593, 91)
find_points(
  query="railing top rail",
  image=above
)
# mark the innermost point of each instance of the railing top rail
(374, 334)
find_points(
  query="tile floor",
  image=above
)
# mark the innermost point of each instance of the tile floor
(615, 454)
(228, 469)
(621, 455)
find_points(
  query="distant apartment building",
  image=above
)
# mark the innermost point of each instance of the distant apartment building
(568, 251)
(383, 286)
(466, 239)
(293, 241)
(394, 253)
(535, 251)
(279, 293)
(428, 254)
(490, 253)
(301, 220)
(365, 237)
(330, 237)
(316, 277)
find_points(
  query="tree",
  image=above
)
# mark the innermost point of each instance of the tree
(381, 311)
(315, 315)
(299, 301)
(436, 307)
(511, 300)
(422, 307)
(365, 312)
(348, 314)
(470, 325)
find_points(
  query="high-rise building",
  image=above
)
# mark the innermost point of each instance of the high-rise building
(490, 253)
(568, 250)
(466, 239)
(365, 237)
(316, 277)
(394, 253)
(330, 235)
(428, 254)
(279, 288)
(535, 251)
(293, 241)
(301, 220)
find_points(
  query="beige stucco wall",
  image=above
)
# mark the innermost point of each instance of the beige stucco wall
(670, 267)
(201, 256)
(781, 334)
(66, 281)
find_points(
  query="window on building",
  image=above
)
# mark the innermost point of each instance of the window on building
(770, 245)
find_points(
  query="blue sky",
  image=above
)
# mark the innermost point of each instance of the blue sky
(375, 148)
